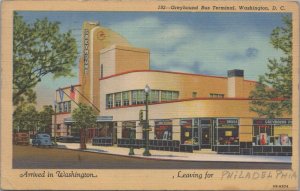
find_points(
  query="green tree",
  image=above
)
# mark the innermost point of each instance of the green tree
(45, 118)
(39, 49)
(276, 84)
(25, 118)
(84, 117)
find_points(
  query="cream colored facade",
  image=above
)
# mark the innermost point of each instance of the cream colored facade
(110, 66)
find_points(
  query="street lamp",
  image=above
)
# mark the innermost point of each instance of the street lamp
(146, 125)
(55, 125)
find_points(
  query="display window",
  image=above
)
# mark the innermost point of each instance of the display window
(163, 130)
(227, 131)
(127, 128)
(270, 132)
(104, 129)
(189, 133)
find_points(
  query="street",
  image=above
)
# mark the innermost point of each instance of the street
(53, 158)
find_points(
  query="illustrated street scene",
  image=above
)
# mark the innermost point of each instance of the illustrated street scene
(147, 91)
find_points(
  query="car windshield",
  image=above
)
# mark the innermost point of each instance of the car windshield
(44, 136)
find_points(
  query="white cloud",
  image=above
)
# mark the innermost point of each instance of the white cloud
(178, 47)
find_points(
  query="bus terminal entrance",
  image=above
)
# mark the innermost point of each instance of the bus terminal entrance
(206, 133)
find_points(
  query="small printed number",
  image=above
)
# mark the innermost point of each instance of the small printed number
(280, 186)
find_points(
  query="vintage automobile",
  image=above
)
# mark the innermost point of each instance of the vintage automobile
(41, 139)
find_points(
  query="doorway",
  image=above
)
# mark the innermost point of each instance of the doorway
(206, 126)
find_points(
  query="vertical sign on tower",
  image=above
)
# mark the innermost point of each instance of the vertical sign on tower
(86, 50)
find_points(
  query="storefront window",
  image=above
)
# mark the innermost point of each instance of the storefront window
(104, 129)
(109, 100)
(128, 126)
(189, 133)
(163, 130)
(118, 99)
(125, 97)
(227, 131)
(272, 132)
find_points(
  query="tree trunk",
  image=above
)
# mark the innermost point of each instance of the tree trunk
(82, 139)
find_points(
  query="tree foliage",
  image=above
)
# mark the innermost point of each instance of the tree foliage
(39, 49)
(84, 117)
(45, 118)
(276, 84)
(25, 118)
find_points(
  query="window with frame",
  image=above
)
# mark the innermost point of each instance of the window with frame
(212, 95)
(65, 106)
(175, 95)
(154, 96)
(276, 132)
(194, 94)
(109, 100)
(263, 134)
(60, 107)
(134, 97)
(118, 100)
(227, 131)
(163, 130)
(69, 106)
(128, 127)
(125, 98)
(141, 97)
(169, 95)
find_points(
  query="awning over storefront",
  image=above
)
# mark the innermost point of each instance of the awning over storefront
(104, 118)
(69, 120)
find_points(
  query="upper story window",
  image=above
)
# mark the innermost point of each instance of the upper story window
(64, 106)
(118, 99)
(125, 98)
(212, 95)
(169, 95)
(109, 100)
(60, 107)
(134, 97)
(175, 95)
(141, 97)
(154, 96)
(137, 97)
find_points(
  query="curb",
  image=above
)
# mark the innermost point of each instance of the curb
(178, 160)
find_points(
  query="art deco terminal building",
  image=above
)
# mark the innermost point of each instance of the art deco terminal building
(187, 112)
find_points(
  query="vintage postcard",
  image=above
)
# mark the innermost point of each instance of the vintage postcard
(149, 95)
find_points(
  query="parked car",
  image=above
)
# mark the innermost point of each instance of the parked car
(41, 139)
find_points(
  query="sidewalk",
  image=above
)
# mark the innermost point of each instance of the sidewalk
(168, 155)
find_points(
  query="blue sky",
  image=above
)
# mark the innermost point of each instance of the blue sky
(203, 43)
